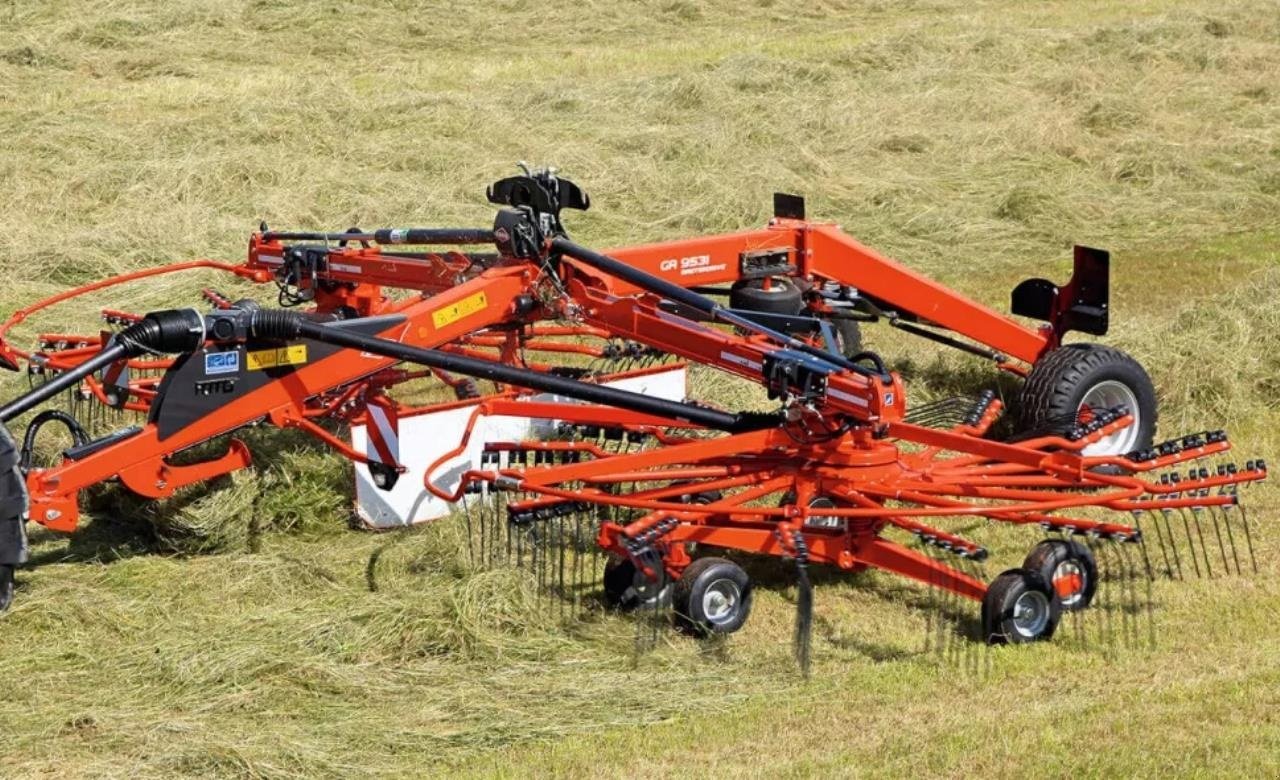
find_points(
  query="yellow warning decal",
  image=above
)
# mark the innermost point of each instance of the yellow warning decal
(456, 311)
(258, 360)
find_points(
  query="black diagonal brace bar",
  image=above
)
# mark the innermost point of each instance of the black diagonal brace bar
(290, 325)
(715, 311)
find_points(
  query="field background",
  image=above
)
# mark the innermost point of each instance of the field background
(976, 141)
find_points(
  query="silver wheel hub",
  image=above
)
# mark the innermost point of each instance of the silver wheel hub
(720, 601)
(1109, 394)
(1031, 614)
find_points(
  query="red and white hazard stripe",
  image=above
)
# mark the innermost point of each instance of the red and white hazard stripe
(383, 444)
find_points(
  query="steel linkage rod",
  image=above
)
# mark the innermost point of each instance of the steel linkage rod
(279, 324)
(676, 293)
(393, 236)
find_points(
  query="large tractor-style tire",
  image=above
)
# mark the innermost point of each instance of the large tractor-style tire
(1067, 383)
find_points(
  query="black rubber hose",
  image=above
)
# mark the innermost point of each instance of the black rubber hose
(170, 331)
(78, 434)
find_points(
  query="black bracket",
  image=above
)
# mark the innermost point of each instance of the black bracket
(543, 192)
(1082, 304)
(788, 206)
(788, 373)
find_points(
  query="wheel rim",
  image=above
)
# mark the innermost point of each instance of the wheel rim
(1069, 580)
(1031, 614)
(1108, 395)
(720, 601)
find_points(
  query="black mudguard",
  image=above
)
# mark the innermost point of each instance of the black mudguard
(1082, 304)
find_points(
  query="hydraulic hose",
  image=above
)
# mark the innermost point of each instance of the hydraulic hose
(78, 434)
(170, 331)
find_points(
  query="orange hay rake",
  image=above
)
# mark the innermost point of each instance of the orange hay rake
(840, 473)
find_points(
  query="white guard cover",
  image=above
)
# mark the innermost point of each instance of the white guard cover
(427, 436)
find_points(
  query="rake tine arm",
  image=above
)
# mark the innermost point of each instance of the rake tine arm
(688, 473)
(1092, 462)
(514, 482)
(890, 556)
(678, 491)
(692, 452)
(977, 452)
(1068, 524)
(928, 534)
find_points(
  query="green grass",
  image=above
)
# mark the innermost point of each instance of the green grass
(256, 636)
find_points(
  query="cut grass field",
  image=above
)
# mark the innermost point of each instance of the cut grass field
(974, 141)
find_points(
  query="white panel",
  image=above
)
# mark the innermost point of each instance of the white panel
(424, 438)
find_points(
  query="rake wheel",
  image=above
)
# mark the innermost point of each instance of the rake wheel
(1069, 568)
(781, 296)
(1019, 607)
(626, 589)
(848, 336)
(1067, 383)
(713, 596)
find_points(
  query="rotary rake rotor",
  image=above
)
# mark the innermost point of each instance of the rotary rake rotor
(857, 498)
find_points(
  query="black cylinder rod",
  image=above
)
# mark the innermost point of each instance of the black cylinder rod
(63, 381)
(393, 236)
(276, 324)
(675, 292)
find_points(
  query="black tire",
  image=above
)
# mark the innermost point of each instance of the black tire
(6, 586)
(1070, 570)
(781, 297)
(712, 596)
(848, 336)
(1019, 608)
(626, 590)
(1061, 381)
